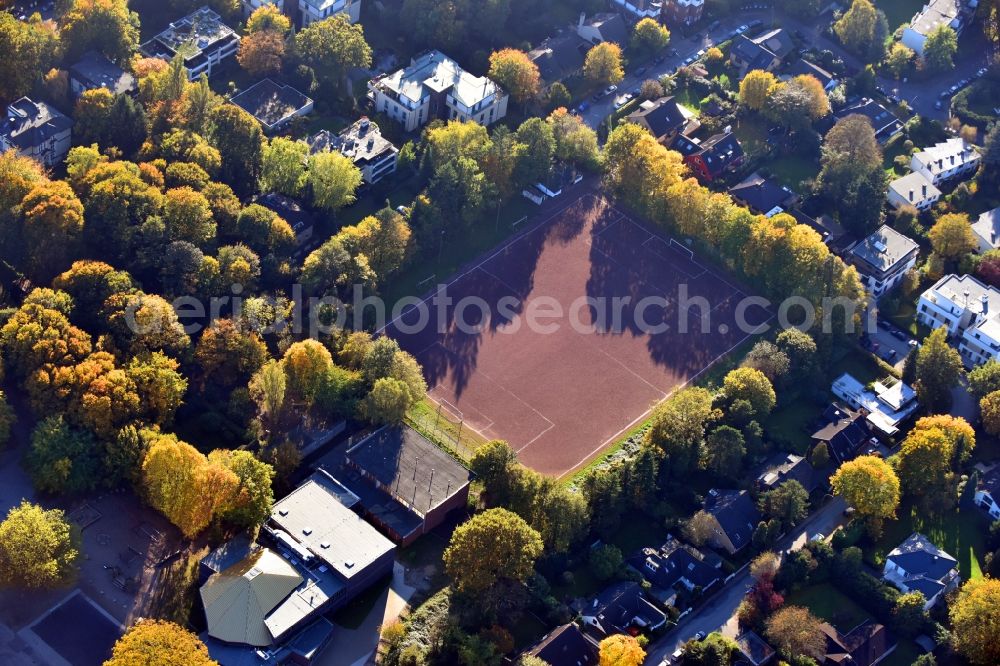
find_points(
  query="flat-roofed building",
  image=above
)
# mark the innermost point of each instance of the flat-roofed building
(406, 483)
(273, 105)
(883, 258)
(201, 36)
(319, 555)
(933, 15)
(435, 86)
(968, 310)
(363, 142)
(94, 71)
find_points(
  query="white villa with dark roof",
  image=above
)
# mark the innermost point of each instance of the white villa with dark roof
(968, 309)
(882, 258)
(435, 86)
(917, 565)
(949, 159)
(307, 12)
(364, 144)
(37, 130)
(886, 404)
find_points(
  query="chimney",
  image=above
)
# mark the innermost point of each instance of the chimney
(985, 300)
(583, 19)
(911, 196)
(923, 190)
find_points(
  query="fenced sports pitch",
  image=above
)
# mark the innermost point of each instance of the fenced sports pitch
(561, 394)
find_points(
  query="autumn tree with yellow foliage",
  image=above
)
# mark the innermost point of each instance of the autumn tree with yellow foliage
(620, 650)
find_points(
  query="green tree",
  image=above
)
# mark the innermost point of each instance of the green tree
(605, 561)
(251, 503)
(283, 167)
(106, 26)
(650, 36)
(725, 448)
(159, 642)
(769, 359)
(899, 59)
(939, 368)
(333, 46)
(753, 386)
(7, 416)
(63, 460)
(678, 428)
(863, 29)
(558, 96)
(188, 217)
(714, 650)
(940, 48)
(334, 180)
(603, 64)
(534, 162)
(491, 546)
(240, 142)
(800, 350)
(820, 456)
(985, 379)
(989, 408)
(576, 143)
(908, 615)
(28, 49)
(38, 548)
(788, 502)
(516, 73)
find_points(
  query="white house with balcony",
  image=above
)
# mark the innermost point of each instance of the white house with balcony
(886, 404)
(202, 39)
(434, 86)
(640, 9)
(968, 309)
(988, 490)
(954, 158)
(36, 130)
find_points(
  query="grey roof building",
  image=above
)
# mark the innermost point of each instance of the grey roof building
(93, 71)
(319, 556)
(885, 124)
(790, 467)
(844, 433)
(273, 105)
(736, 517)
(559, 57)
(37, 130)
(566, 645)
(664, 118)
(882, 258)
(918, 565)
(619, 608)
(987, 230)
(763, 196)
(676, 565)
(364, 144)
(406, 484)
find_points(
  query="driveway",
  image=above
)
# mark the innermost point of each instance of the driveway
(719, 614)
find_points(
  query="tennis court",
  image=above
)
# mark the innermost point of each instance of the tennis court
(580, 324)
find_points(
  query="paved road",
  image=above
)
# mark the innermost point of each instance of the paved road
(720, 611)
(920, 95)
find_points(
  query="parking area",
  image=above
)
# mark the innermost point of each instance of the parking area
(25, 8)
(891, 344)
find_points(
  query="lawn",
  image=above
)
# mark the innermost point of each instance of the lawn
(789, 425)
(859, 363)
(828, 603)
(892, 150)
(792, 170)
(898, 12)
(905, 654)
(752, 134)
(961, 533)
